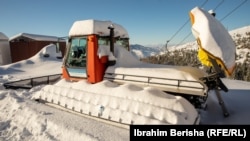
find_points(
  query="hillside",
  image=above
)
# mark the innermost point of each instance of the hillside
(186, 54)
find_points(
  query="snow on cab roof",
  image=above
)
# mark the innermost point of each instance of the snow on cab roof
(3, 37)
(35, 37)
(87, 27)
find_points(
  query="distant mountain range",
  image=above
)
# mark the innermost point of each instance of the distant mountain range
(141, 51)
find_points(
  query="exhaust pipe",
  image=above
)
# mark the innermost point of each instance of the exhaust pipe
(111, 39)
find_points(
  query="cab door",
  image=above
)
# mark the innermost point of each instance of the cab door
(76, 59)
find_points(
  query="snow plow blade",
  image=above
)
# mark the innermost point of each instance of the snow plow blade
(125, 104)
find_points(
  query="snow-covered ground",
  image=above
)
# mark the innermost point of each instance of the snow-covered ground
(22, 118)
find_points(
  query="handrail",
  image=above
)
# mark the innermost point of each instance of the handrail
(149, 80)
(31, 82)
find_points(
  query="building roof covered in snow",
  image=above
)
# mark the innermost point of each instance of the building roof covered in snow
(25, 36)
(25, 45)
(3, 37)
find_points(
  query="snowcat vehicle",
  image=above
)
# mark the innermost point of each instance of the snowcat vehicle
(92, 55)
(99, 52)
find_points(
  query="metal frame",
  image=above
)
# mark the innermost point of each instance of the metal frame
(31, 82)
(112, 77)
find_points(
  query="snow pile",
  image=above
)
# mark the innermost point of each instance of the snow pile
(180, 79)
(36, 64)
(104, 50)
(50, 51)
(128, 64)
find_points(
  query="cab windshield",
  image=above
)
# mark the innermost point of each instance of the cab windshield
(78, 46)
(77, 52)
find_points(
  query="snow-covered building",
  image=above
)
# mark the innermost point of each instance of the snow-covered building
(25, 45)
(5, 57)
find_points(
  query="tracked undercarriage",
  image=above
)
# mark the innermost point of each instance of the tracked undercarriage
(138, 106)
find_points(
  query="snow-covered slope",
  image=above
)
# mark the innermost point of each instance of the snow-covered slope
(235, 34)
(242, 31)
(193, 45)
(242, 51)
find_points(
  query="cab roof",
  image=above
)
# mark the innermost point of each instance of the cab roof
(91, 26)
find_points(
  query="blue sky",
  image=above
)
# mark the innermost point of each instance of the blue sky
(148, 22)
